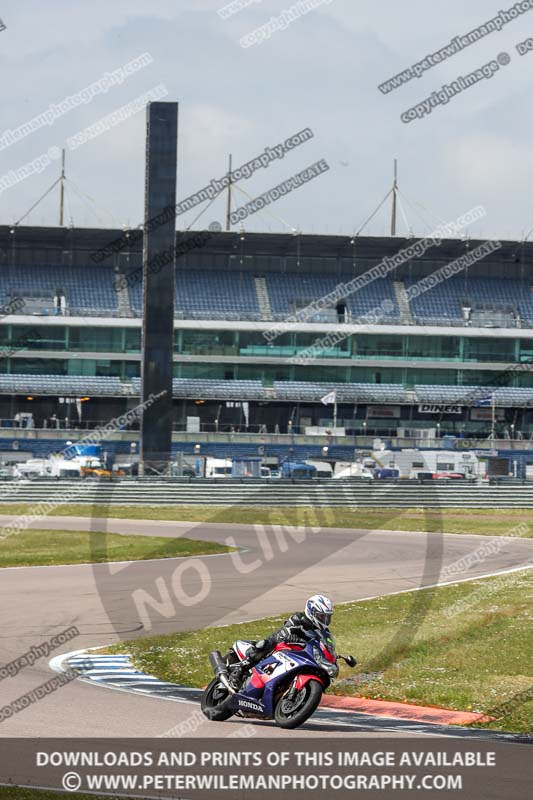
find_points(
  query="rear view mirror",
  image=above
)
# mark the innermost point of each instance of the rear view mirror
(350, 660)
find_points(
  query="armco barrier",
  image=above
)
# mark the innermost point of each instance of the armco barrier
(277, 493)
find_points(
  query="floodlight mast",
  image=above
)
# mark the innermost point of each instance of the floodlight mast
(394, 199)
(62, 189)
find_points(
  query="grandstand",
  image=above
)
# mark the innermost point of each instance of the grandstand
(199, 296)
(396, 361)
(498, 298)
(290, 292)
(87, 293)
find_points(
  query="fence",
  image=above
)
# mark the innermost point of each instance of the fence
(346, 494)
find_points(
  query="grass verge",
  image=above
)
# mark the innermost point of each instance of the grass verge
(31, 548)
(472, 649)
(490, 522)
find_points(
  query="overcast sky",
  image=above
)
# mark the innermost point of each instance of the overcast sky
(321, 72)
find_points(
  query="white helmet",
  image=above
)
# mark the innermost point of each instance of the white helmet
(319, 610)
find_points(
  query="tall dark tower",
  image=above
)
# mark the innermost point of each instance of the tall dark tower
(159, 255)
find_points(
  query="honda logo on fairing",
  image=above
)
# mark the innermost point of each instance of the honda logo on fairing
(250, 705)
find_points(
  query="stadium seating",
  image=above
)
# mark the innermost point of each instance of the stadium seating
(289, 292)
(219, 390)
(444, 302)
(346, 392)
(209, 294)
(306, 391)
(474, 395)
(232, 295)
(86, 290)
(62, 385)
(446, 394)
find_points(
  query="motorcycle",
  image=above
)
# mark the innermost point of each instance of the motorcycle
(286, 686)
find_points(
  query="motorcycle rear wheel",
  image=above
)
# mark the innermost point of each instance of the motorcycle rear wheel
(214, 702)
(292, 713)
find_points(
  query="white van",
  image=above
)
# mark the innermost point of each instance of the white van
(218, 468)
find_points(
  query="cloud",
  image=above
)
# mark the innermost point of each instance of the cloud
(321, 72)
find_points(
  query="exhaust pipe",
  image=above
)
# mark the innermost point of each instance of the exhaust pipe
(220, 670)
(217, 662)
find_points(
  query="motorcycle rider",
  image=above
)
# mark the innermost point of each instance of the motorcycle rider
(316, 617)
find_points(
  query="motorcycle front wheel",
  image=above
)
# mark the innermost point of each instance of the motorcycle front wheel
(214, 704)
(294, 712)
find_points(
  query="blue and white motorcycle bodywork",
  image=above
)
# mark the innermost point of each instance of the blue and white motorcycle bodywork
(286, 686)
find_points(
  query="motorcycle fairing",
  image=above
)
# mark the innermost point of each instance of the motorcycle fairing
(280, 668)
(302, 679)
(241, 647)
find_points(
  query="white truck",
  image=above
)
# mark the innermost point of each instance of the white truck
(53, 467)
(218, 468)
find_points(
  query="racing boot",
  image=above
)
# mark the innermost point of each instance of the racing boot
(253, 656)
(238, 672)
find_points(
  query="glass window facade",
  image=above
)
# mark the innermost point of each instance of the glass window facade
(236, 346)
(97, 340)
(489, 350)
(206, 343)
(38, 337)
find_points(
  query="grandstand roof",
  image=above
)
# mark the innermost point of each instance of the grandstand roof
(52, 244)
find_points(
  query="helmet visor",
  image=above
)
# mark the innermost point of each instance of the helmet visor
(324, 618)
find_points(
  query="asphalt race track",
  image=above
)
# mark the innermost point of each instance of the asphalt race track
(267, 576)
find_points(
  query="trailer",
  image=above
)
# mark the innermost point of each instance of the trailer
(430, 464)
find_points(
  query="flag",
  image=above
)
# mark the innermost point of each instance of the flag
(485, 401)
(329, 398)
